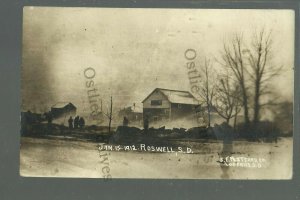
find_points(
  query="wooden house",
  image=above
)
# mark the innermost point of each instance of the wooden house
(162, 104)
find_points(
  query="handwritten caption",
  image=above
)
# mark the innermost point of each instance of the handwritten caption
(145, 148)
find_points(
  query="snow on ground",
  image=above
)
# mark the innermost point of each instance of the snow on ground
(61, 158)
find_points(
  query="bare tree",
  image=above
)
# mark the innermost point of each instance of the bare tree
(227, 101)
(232, 58)
(109, 114)
(207, 87)
(261, 70)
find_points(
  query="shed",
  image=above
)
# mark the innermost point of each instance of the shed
(62, 109)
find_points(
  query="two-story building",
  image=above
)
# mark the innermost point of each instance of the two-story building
(165, 104)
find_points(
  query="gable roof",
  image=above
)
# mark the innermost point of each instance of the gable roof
(176, 96)
(62, 105)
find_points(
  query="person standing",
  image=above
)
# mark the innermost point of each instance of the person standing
(49, 118)
(76, 122)
(125, 121)
(70, 122)
(146, 124)
(81, 122)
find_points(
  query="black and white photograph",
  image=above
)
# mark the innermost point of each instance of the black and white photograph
(157, 93)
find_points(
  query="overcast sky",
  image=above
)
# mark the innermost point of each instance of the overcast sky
(133, 51)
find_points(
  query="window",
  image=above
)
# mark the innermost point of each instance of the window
(156, 102)
(179, 105)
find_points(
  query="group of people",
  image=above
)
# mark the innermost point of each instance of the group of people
(78, 122)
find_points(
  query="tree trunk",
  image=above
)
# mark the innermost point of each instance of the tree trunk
(109, 124)
(227, 120)
(208, 100)
(256, 103)
(235, 118)
(245, 105)
(208, 113)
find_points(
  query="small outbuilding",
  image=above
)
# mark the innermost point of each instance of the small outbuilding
(63, 109)
(134, 113)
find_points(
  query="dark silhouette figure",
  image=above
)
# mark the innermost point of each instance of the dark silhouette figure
(76, 122)
(70, 122)
(146, 124)
(49, 117)
(81, 122)
(125, 121)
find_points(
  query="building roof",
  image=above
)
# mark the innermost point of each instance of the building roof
(62, 105)
(177, 96)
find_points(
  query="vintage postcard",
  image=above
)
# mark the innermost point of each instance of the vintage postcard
(157, 93)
